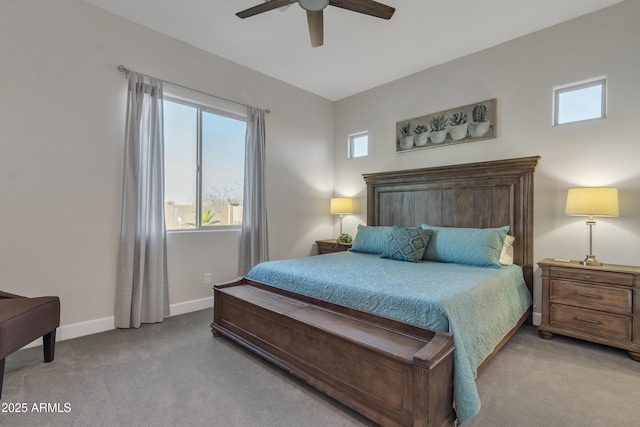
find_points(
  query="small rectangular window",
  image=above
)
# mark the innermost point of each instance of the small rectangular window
(581, 101)
(358, 145)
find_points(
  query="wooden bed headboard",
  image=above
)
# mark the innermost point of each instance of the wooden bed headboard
(479, 195)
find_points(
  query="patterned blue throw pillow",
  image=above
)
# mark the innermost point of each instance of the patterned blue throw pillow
(406, 244)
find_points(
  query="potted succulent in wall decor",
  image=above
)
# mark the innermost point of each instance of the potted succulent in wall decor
(480, 124)
(467, 123)
(421, 135)
(406, 136)
(458, 125)
(438, 125)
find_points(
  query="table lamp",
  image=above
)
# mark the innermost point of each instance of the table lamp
(341, 206)
(590, 202)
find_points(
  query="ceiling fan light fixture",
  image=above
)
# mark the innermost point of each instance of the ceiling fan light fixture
(313, 5)
(315, 12)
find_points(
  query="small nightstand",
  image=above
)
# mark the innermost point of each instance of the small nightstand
(595, 303)
(331, 245)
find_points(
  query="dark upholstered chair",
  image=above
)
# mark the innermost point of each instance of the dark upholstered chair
(23, 320)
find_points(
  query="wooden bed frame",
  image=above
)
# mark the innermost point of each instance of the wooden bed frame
(394, 373)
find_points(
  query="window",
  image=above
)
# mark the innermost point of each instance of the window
(358, 145)
(203, 160)
(582, 101)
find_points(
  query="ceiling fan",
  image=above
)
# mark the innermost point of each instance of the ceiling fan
(315, 8)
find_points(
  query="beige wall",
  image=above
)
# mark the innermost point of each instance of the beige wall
(521, 74)
(62, 111)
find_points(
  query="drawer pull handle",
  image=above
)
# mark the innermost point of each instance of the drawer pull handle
(580, 294)
(595, 322)
(587, 277)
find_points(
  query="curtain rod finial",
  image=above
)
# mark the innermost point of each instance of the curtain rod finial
(122, 68)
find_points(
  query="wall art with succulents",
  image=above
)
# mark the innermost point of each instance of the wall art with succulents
(471, 122)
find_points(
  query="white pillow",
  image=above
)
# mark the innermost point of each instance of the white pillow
(506, 255)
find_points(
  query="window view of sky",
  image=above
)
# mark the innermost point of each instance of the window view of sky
(223, 175)
(222, 154)
(180, 153)
(360, 146)
(580, 104)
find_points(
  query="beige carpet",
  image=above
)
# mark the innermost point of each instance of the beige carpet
(176, 374)
(558, 383)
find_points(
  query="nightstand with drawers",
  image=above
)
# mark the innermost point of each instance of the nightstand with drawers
(331, 245)
(595, 303)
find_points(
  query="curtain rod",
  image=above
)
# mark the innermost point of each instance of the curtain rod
(124, 69)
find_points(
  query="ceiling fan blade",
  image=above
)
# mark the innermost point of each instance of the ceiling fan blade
(368, 7)
(316, 28)
(264, 7)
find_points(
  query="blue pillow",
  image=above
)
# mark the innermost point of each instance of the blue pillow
(406, 244)
(472, 246)
(371, 239)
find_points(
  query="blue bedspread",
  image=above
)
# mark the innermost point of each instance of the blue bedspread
(478, 305)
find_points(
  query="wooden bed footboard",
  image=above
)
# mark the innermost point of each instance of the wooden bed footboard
(393, 373)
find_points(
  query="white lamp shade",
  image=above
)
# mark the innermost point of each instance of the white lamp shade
(592, 201)
(341, 205)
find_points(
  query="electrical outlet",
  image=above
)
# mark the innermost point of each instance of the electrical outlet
(207, 278)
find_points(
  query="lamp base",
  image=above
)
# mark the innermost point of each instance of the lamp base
(591, 260)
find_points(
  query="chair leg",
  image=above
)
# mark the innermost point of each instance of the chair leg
(49, 345)
(1, 375)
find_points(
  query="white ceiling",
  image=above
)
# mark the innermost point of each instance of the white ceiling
(359, 52)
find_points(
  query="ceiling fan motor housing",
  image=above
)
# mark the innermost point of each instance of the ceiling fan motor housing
(314, 9)
(313, 5)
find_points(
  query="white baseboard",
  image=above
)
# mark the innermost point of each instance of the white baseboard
(536, 318)
(190, 306)
(95, 326)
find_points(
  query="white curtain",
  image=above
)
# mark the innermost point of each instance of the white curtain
(142, 293)
(254, 242)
